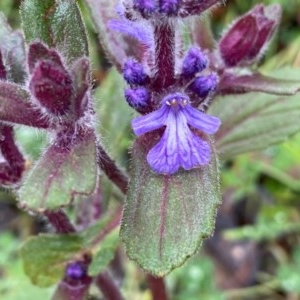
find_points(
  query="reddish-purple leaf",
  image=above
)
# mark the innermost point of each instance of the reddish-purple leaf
(256, 82)
(16, 108)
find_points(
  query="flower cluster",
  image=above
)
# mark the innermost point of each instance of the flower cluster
(168, 98)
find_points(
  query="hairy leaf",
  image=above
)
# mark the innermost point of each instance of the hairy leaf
(57, 23)
(60, 174)
(257, 83)
(16, 108)
(254, 121)
(46, 256)
(104, 253)
(167, 217)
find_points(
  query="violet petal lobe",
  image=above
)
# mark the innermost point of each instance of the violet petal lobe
(199, 120)
(133, 29)
(150, 122)
(179, 146)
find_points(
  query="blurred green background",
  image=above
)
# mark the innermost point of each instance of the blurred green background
(255, 252)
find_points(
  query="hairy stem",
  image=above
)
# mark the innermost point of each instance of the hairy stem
(108, 287)
(111, 170)
(164, 33)
(157, 287)
(60, 221)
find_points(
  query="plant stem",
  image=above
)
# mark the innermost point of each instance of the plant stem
(111, 170)
(164, 34)
(108, 287)
(157, 287)
(60, 221)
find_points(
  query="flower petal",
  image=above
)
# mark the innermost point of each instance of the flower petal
(201, 121)
(193, 152)
(163, 158)
(150, 122)
(178, 147)
(133, 29)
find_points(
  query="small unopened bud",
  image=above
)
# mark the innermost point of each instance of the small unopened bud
(51, 86)
(133, 72)
(146, 7)
(169, 7)
(203, 85)
(195, 61)
(75, 270)
(137, 98)
(249, 35)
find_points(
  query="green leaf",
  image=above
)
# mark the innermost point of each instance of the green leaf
(57, 23)
(46, 256)
(254, 121)
(59, 175)
(104, 253)
(167, 217)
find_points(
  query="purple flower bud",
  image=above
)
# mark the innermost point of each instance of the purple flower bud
(51, 86)
(133, 72)
(169, 6)
(249, 35)
(146, 7)
(137, 98)
(75, 270)
(203, 85)
(195, 61)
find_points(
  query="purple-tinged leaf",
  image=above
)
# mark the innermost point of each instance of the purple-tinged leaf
(68, 167)
(13, 51)
(56, 23)
(12, 168)
(254, 121)
(81, 82)
(117, 47)
(38, 51)
(16, 108)
(51, 87)
(167, 217)
(256, 82)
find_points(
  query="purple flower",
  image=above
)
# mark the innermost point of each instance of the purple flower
(142, 34)
(179, 146)
(133, 72)
(203, 85)
(145, 7)
(137, 98)
(195, 61)
(75, 270)
(169, 6)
